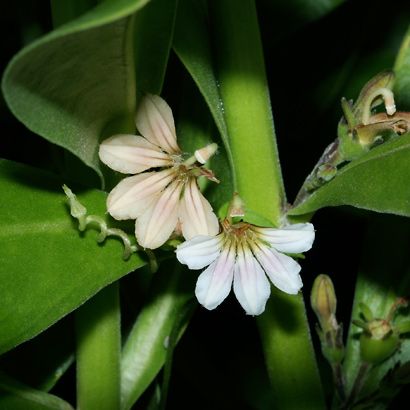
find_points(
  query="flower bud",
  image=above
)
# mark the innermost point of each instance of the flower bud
(202, 155)
(236, 207)
(323, 301)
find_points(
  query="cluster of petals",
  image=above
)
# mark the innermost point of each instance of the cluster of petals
(245, 255)
(163, 193)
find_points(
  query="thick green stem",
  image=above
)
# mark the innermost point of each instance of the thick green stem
(98, 351)
(289, 353)
(245, 96)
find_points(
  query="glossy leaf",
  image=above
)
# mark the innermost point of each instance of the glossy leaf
(17, 396)
(377, 181)
(145, 349)
(68, 89)
(48, 268)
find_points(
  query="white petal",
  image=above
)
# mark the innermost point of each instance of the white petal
(157, 223)
(155, 122)
(214, 283)
(290, 239)
(282, 270)
(199, 251)
(196, 215)
(250, 284)
(133, 195)
(131, 154)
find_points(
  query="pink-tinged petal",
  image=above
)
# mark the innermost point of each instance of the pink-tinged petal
(281, 269)
(250, 284)
(202, 155)
(133, 195)
(290, 239)
(157, 223)
(196, 214)
(199, 251)
(155, 122)
(215, 282)
(131, 154)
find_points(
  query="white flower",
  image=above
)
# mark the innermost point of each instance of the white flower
(163, 198)
(244, 254)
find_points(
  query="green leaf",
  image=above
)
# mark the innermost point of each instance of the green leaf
(98, 351)
(383, 277)
(69, 89)
(154, 26)
(195, 53)
(377, 181)
(145, 349)
(48, 268)
(402, 71)
(17, 396)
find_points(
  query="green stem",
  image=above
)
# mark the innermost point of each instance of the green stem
(245, 97)
(98, 351)
(289, 353)
(244, 91)
(357, 386)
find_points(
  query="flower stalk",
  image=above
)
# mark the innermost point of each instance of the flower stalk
(252, 141)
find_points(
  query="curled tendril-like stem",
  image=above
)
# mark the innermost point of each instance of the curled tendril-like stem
(79, 212)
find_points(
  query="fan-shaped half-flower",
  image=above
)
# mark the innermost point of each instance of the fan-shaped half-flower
(166, 195)
(245, 255)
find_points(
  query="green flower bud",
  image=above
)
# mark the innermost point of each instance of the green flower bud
(323, 301)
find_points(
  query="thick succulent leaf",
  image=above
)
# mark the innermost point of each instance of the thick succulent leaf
(68, 89)
(17, 396)
(377, 181)
(48, 268)
(145, 350)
